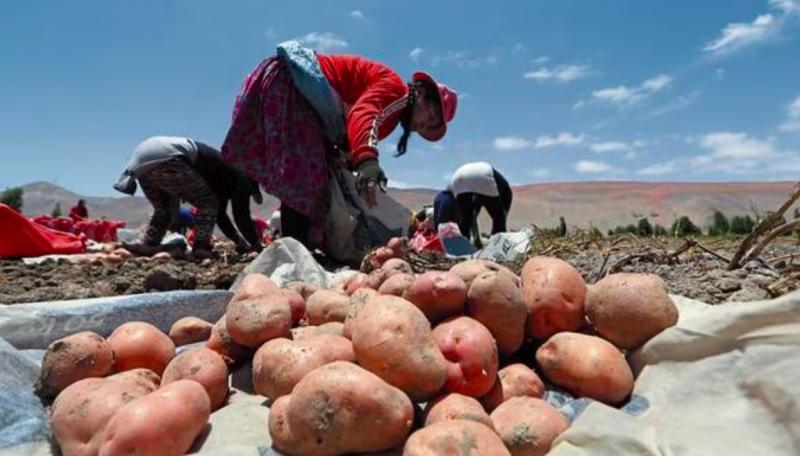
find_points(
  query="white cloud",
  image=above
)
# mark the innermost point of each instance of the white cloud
(624, 95)
(683, 101)
(560, 73)
(323, 41)
(792, 123)
(736, 145)
(357, 14)
(542, 172)
(511, 143)
(540, 60)
(460, 59)
(658, 169)
(740, 35)
(592, 167)
(610, 146)
(562, 139)
(415, 54)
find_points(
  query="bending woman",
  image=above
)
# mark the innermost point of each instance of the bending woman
(278, 138)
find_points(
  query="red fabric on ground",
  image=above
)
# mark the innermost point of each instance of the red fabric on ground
(24, 238)
(96, 230)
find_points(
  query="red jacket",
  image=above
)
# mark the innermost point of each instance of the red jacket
(78, 213)
(374, 97)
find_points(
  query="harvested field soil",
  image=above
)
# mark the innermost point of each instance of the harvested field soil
(696, 270)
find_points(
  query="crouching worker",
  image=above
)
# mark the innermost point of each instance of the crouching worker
(474, 186)
(173, 169)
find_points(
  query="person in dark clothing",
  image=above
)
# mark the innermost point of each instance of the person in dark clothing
(173, 169)
(445, 209)
(478, 185)
(79, 211)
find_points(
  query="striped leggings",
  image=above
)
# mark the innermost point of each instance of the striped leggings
(165, 185)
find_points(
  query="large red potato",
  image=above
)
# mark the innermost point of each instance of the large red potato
(528, 425)
(586, 366)
(357, 301)
(190, 329)
(456, 406)
(204, 366)
(297, 303)
(495, 301)
(139, 344)
(396, 284)
(438, 294)
(629, 309)
(455, 438)
(304, 289)
(325, 306)
(513, 380)
(333, 328)
(259, 311)
(471, 355)
(81, 412)
(164, 422)
(468, 270)
(75, 357)
(393, 339)
(340, 408)
(554, 293)
(280, 364)
(221, 342)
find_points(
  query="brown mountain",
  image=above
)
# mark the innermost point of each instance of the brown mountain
(601, 204)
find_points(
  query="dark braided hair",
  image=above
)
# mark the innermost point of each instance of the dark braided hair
(430, 95)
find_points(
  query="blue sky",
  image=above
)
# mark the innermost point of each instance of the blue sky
(566, 90)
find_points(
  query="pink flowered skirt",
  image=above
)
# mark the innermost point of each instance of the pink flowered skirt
(277, 139)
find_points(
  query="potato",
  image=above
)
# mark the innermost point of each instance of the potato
(81, 412)
(334, 328)
(280, 364)
(259, 311)
(396, 284)
(325, 306)
(357, 301)
(360, 280)
(297, 303)
(471, 355)
(496, 302)
(393, 339)
(456, 406)
(190, 329)
(455, 438)
(468, 270)
(554, 293)
(165, 422)
(586, 366)
(340, 408)
(302, 288)
(399, 245)
(379, 256)
(514, 380)
(438, 294)
(140, 344)
(528, 425)
(629, 309)
(72, 358)
(394, 266)
(204, 366)
(222, 343)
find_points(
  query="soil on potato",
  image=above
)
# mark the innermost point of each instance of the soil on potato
(694, 273)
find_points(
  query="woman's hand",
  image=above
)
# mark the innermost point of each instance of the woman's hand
(370, 179)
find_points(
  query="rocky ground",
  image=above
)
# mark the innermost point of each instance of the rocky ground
(691, 272)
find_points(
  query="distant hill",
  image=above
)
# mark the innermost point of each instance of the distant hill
(601, 204)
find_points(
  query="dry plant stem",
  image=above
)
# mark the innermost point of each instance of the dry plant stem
(711, 252)
(756, 251)
(762, 228)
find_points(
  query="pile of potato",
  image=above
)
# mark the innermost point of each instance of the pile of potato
(441, 363)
